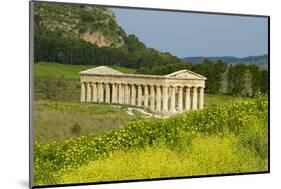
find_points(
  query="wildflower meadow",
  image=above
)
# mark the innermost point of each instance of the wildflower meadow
(221, 139)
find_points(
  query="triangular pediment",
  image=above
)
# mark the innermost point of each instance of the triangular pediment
(100, 70)
(186, 74)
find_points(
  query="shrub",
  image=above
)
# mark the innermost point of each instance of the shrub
(76, 128)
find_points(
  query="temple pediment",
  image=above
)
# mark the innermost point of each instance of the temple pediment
(100, 70)
(187, 74)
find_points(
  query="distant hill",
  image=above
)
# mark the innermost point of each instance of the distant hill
(261, 61)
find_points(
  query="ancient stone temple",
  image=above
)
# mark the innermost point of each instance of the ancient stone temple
(176, 92)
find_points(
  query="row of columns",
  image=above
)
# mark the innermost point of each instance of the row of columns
(156, 98)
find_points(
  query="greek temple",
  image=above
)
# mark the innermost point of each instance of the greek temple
(169, 94)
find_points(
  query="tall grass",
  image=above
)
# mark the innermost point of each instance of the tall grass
(241, 120)
(55, 120)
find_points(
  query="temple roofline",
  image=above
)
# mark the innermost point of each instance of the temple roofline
(92, 71)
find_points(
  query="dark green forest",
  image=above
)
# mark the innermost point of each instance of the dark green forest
(54, 47)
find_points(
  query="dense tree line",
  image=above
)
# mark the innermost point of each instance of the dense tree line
(241, 79)
(52, 46)
(213, 71)
(246, 80)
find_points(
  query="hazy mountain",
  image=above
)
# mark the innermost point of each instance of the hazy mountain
(261, 61)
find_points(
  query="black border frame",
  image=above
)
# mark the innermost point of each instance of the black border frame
(31, 98)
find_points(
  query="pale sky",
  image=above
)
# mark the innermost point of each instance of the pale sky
(192, 34)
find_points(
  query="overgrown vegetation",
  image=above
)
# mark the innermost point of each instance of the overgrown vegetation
(59, 121)
(242, 126)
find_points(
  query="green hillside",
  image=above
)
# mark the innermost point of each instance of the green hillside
(55, 70)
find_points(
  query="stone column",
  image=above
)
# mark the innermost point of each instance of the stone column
(114, 94)
(107, 93)
(120, 94)
(173, 99)
(100, 92)
(158, 98)
(187, 99)
(165, 98)
(152, 98)
(180, 108)
(133, 95)
(94, 92)
(127, 94)
(194, 100)
(89, 92)
(139, 96)
(145, 96)
(201, 101)
(83, 92)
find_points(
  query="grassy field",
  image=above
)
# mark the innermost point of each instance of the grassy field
(59, 121)
(55, 70)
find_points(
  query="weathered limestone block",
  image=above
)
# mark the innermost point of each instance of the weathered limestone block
(83, 90)
(139, 96)
(94, 92)
(201, 101)
(127, 94)
(100, 92)
(89, 92)
(120, 94)
(133, 95)
(194, 100)
(107, 93)
(173, 100)
(165, 99)
(145, 96)
(152, 98)
(180, 105)
(187, 99)
(158, 98)
(114, 94)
